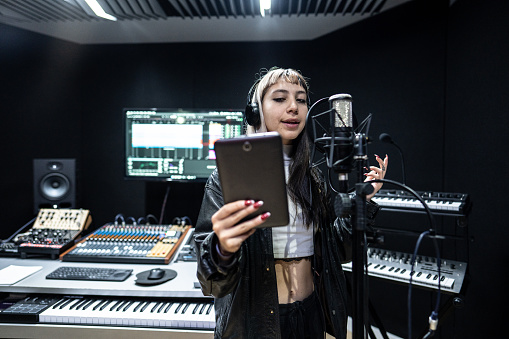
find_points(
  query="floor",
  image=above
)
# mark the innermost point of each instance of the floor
(376, 331)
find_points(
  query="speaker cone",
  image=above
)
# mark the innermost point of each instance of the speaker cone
(55, 186)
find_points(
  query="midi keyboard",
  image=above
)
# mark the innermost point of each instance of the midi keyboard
(396, 266)
(438, 202)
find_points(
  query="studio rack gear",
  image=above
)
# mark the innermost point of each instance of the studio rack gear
(396, 266)
(54, 231)
(433, 273)
(133, 244)
(438, 202)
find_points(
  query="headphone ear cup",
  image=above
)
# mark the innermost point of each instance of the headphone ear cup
(252, 114)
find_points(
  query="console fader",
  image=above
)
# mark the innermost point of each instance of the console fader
(142, 244)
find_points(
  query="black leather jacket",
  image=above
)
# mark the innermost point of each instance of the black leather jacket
(245, 291)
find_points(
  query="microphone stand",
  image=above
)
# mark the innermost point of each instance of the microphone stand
(359, 227)
(343, 206)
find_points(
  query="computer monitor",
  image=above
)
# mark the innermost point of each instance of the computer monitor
(176, 144)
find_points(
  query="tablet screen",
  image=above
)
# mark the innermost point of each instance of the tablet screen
(252, 167)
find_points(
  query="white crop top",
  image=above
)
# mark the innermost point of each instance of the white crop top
(295, 239)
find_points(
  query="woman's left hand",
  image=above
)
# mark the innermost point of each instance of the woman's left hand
(377, 173)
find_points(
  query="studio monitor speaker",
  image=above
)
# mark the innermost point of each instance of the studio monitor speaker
(54, 183)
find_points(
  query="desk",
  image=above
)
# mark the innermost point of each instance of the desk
(182, 288)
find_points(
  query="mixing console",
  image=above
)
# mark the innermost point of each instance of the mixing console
(140, 244)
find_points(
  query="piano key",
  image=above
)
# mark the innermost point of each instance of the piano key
(87, 304)
(161, 307)
(442, 202)
(86, 315)
(104, 305)
(141, 313)
(127, 306)
(168, 307)
(155, 307)
(397, 266)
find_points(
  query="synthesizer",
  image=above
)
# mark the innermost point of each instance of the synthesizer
(104, 311)
(396, 266)
(53, 231)
(9, 249)
(440, 203)
(187, 252)
(132, 244)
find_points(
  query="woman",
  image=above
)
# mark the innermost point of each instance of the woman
(280, 282)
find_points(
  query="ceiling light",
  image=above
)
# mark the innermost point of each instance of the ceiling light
(264, 7)
(99, 11)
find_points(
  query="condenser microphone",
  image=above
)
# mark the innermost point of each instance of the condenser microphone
(384, 137)
(342, 140)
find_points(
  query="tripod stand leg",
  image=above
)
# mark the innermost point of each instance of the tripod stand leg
(377, 321)
(373, 315)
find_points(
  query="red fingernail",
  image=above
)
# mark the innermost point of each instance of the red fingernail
(248, 202)
(258, 204)
(265, 215)
(376, 155)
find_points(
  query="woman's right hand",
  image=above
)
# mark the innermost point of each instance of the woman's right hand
(231, 233)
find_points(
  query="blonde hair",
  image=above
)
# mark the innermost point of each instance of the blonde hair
(267, 79)
(304, 182)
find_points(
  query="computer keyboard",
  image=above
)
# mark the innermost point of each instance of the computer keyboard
(89, 273)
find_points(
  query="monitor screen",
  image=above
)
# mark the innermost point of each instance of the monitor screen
(176, 144)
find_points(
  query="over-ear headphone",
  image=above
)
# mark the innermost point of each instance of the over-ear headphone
(252, 111)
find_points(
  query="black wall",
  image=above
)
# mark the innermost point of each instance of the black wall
(434, 77)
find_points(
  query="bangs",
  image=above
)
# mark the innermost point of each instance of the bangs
(267, 79)
(289, 75)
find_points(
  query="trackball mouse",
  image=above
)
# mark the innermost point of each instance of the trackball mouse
(156, 273)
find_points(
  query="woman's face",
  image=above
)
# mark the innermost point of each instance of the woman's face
(284, 110)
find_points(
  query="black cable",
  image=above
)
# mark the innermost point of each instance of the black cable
(416, 195)
(409, 296)
(316, 103)
(151, 216)
(186, 218)
(433, 319)
(349, 156)
(19, 230)
(164, 204)
(121, 217)
(330, 181)
(367, 324)
(309, 124)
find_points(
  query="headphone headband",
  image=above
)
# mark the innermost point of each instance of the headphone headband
(252, 111)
